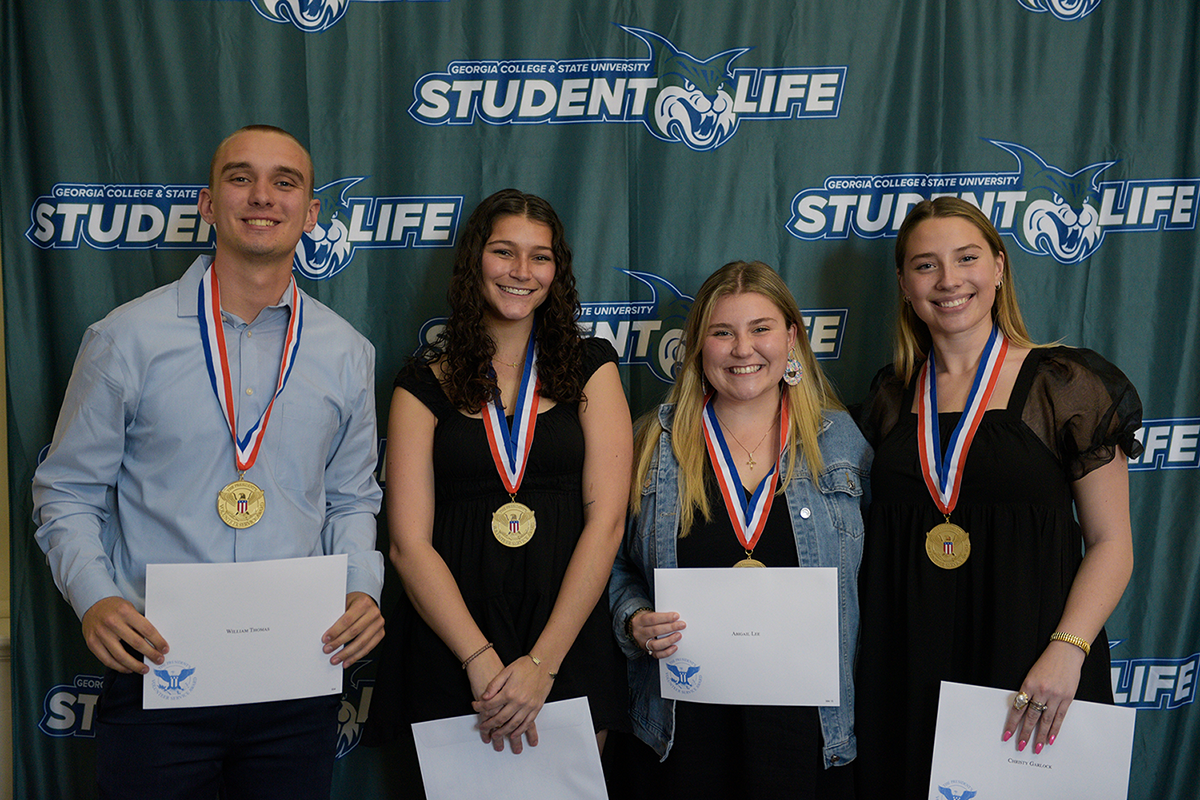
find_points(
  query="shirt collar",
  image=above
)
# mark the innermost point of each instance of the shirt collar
(189, 285)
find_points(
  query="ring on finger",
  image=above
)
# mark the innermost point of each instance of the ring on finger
(1020, 701)
(648, 650)
(1036, 706)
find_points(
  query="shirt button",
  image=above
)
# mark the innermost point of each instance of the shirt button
(251, 391)
(805, 513)
(249, 333)
(851, 482)
(833, 759)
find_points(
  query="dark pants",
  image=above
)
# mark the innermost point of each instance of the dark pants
(282, 750)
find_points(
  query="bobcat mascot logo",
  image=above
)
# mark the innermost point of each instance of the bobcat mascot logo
(310, 16)
(326, 250)
(1063, 9)
(1056, 218)
(664, 355)
(690, 103)
(355, 708)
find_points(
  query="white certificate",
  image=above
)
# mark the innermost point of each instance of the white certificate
(1089, 758)
(243, 633)
(754, 636)
(455, 763)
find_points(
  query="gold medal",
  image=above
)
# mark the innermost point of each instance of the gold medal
(749, 562)
(241, 504)
(513, 524)
(947, 545)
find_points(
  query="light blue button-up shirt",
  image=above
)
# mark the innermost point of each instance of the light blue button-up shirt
(142, 448)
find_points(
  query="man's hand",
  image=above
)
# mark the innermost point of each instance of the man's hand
(356, 632)
(113, 622)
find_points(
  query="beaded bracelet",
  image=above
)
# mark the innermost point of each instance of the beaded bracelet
(477, 653)
(1069, 638)
(629, 623)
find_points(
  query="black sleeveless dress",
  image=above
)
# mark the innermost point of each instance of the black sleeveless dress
(988, 621)
(510, 592)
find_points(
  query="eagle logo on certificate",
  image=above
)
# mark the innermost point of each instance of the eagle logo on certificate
(685, 674)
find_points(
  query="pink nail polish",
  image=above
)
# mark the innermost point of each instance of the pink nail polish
(1021, 745)
(1052, 739)
(1007, 735)
(1037, 749)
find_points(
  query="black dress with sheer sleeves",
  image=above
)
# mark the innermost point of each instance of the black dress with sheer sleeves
(989, 620)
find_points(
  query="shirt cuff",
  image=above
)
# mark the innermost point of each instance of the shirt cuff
(364, 573)
(85, 592)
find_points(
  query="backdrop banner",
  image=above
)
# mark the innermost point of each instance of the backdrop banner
(671, 138)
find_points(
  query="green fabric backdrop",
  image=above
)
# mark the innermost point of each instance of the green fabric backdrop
(671, 137)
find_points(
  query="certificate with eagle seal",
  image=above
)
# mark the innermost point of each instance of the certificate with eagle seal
(1090, 756)
(765, 637)
(247, 632)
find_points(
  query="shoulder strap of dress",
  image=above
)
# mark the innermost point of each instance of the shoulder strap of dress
(1024, 381)
(423, 383)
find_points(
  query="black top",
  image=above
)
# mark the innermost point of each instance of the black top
(712, 543)
(744, 751)
(989, 620)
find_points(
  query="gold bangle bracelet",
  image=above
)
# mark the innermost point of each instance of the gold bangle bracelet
(537, 662)
(1070, 638)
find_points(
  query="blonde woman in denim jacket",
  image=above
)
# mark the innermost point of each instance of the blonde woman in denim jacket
(746, 358)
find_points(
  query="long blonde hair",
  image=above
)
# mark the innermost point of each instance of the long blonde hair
(912, 340)
(806, 400)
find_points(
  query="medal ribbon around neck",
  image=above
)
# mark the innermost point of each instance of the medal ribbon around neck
(749, 517)
(943, 473)
(212, 334)
(510, 449)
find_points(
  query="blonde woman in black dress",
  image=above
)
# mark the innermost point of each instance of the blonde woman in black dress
(975, 569)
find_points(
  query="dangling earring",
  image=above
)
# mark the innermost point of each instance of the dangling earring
(793, 372)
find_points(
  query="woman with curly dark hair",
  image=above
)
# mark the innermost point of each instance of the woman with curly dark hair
(509, 447)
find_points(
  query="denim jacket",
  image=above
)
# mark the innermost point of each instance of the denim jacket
(827, 519)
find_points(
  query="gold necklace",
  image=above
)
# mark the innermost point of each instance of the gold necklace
(750, 462)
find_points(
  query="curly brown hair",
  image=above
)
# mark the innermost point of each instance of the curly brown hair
(466, 348)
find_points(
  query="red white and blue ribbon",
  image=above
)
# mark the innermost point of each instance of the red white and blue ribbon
(749, 516)
(212, 335)
(510, 449)
(943, 472)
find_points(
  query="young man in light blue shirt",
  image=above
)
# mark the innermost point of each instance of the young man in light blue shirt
(143, 461)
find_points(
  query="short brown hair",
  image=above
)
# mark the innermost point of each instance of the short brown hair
(212, 166)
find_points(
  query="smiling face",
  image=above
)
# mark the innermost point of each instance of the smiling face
(745, 346)
(260, 202)
(949, 273)
(517, 268)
